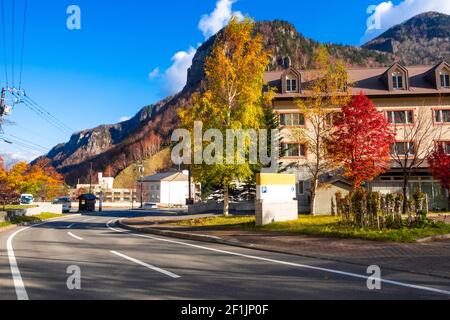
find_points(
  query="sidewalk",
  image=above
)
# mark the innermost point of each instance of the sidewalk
(423, 258)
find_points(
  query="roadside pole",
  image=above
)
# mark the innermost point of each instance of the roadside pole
(100, 209)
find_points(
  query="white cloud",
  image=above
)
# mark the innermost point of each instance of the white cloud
(12, 157)
(212, 23)
(389, 14)
(125, 118)
(154, 74)
(175, 76)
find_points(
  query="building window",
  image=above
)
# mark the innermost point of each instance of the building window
(397, 81)
(403, 149)
(401, 117)
(301, 188)
(293, 150)
(291, 83)
(442, 116)
(332, 118)
(445, 145)
(445, 79)
(292, 119)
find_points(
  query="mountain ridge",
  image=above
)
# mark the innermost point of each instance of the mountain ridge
(115, 147)
(423, 39)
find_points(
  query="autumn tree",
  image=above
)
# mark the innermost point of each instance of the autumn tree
(361, 141)
(415, 143)
(327, 90)
(2, 169)
(40, 179)
(231, 97)
(439, 163)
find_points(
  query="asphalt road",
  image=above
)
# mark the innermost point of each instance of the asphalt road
(116, 264)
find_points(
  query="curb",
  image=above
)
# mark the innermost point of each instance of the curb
(238, 244)
(183, 235)
(30, 224)
(434, 238)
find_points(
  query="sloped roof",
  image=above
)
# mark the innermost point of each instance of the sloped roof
(367, 80)
(167, 176)
(88, 197)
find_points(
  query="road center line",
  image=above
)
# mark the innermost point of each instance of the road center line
(167, 273)
(74, 236)
(342, 273)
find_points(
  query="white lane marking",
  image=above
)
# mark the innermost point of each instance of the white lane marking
(74, 236)
(21, 292)
(68, 227)
(19, 286)
(303, 266)
(167, 273)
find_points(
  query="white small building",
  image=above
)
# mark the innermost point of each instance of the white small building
(167, 189)
(107, 183)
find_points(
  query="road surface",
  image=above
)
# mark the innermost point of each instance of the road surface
(117, 264)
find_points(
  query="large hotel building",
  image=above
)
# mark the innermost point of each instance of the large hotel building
(403, 94)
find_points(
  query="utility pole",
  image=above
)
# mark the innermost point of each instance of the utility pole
(2, 108)
(191, 199)
(90, 179)
(2, 103)
(141, 170)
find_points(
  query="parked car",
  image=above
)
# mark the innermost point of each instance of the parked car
(66, 203)
(26, 199)
(150, 205)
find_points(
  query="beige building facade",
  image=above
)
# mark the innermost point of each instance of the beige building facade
(416, 102)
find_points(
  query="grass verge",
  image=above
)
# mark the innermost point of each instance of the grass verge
(32, 219)
(17, 207)
(325, 226)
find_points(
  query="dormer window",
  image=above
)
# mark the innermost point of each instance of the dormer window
(291, 83)
(398, 80)
(445, 79)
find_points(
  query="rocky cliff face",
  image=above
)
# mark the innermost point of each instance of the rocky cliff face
(424, 39)
(117, 146)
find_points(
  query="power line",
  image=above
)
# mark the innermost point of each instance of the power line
(24, 144)
(13, 36)
(45, 117)
(21, 145)
(34, 132)
(23, 42)
(4, 41)
(27, 141)
(62, 124)
(36, 153)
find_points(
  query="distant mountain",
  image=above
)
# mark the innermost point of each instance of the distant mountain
(114, 148)
(423, 39)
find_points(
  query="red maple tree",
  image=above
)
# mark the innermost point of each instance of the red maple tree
(439, 162)
(361, 141)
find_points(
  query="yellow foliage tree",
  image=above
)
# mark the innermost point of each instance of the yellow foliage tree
(231, 97)
(328, 91)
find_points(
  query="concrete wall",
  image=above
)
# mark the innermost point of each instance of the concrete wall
(324, 196)
(174, 192)
(41, 208)
(247, 208)
(270, 212)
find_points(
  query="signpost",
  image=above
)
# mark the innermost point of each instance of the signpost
(275, 198)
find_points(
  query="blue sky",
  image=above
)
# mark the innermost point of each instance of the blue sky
(129, 54)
